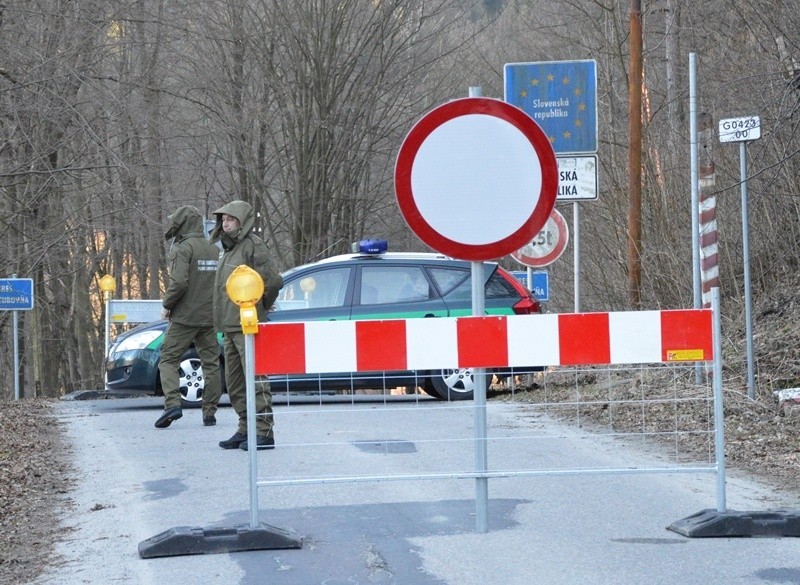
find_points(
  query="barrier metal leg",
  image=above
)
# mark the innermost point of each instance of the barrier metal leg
(184, 540)
(721, 521)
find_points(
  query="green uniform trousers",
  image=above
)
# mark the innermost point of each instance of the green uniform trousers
(177, 339)
(237, 389)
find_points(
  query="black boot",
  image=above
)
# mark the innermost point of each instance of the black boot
(262, 443)
(169, 415)
(234, 442)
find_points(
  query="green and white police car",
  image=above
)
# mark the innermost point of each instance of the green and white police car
(371, 283)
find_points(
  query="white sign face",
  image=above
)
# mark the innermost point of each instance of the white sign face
(577, 178)
(498, 176)
(740, 129)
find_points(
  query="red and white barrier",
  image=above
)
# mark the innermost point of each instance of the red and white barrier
(518, 341)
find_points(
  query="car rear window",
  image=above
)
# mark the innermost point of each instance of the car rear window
(456, 285)
(450, 279)
(499, 288)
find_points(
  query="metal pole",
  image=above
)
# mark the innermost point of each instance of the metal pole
(15, 319)
(751, 393)
(695, 194)
(694, 180)
(108, 322)
(479, 393)
(576, 263)
(250, 390)
(719, 416)
(479, 378)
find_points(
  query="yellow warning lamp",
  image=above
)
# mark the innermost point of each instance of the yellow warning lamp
(245, 287)
(107, 284)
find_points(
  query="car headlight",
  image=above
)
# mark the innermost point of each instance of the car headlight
(137, 341)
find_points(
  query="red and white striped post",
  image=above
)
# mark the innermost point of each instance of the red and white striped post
(709, 250)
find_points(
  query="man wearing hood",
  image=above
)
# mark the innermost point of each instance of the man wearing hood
(234, 229)
(188, 304)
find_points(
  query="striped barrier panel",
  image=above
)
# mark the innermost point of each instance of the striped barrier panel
(518, 341)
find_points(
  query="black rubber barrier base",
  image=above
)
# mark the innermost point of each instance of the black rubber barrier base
(184, 540)
(710, 523)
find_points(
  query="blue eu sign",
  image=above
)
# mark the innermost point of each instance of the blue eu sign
(16, 294)
(561, 96)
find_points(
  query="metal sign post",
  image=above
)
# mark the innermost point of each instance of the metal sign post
(107, 285)
(15, 318)
(744, 130)
(16, 294)
(483, 157)
(748, 314)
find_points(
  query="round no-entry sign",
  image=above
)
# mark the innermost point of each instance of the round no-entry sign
(476, 178)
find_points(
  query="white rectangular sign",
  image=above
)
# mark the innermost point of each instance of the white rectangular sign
(740, 129)
(577, 178)
(134, 311)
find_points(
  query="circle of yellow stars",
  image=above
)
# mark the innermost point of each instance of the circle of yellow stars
(577, 91)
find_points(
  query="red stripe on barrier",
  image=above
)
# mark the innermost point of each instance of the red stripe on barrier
(381, 345)
(686, 336)
(482, 342)
(280, 348)
(584, 339)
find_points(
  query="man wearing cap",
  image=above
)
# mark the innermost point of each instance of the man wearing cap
(240, 245)
(188, 304)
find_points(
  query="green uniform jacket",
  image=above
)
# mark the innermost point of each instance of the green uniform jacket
(192, 265)
(241, 246)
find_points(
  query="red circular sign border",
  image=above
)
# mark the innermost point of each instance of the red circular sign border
(557, 251)
(449, 111)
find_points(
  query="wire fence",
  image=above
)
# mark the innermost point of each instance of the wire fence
(655, 409)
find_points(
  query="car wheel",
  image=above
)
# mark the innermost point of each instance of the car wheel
(451, 384)
(191, 382)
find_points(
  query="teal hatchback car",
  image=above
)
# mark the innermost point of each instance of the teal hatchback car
(368, 284)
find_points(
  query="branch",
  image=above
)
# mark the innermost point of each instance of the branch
(8, 76)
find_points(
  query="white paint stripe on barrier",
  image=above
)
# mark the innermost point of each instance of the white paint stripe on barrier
(533, 340)
(330, 346)
(431, 344)
(635, 337)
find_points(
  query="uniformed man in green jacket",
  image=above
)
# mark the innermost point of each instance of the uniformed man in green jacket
(188, 304)
(240, 245)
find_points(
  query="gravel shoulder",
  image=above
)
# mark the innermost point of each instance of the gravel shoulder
(36, 475)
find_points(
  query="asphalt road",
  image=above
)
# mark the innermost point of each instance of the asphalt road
(136, 482)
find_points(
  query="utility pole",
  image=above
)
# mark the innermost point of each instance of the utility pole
(635, 158)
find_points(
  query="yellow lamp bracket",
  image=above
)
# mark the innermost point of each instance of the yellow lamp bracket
(245, 287)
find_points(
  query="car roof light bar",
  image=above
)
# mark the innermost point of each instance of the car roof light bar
(370, 246)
